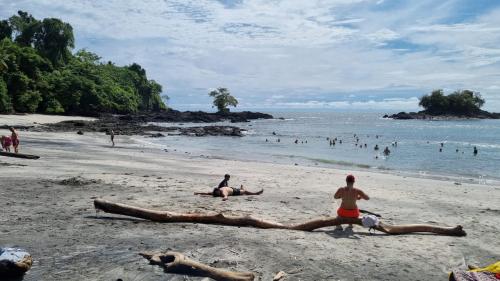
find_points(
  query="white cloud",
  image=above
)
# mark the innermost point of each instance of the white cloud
(266, 51)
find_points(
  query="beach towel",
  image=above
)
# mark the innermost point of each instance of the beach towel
(489, 273)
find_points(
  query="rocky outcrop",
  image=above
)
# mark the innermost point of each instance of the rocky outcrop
(172, 115)
(121, 127)
(422, 115)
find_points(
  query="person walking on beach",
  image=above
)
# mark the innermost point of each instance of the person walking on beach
(112, 136)
(15, 139)
(349, 195)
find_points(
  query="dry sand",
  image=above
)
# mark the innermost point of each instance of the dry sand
(54, 218)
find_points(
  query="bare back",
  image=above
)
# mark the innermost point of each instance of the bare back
(349, 196)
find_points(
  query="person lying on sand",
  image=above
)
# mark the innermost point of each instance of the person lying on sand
(349, 195)
(227, 191)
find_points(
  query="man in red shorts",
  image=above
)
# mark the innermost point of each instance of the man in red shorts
(349, 196)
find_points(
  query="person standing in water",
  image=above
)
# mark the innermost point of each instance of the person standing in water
(349, 195)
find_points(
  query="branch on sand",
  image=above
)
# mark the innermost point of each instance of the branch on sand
(18, 155)
(173, 262)
(249, 221)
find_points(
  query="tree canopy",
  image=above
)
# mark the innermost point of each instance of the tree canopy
(223, 99)
(39, 73)
(462, 102)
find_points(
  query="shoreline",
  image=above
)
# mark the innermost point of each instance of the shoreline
(42, 119)
(49, 212)
(311, 162)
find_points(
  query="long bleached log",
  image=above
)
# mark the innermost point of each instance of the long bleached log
(249, 221)
(165, 216)
(173, 262)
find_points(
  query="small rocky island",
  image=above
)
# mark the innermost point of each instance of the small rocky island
(463, 104)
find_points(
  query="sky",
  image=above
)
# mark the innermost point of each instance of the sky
(298, 54)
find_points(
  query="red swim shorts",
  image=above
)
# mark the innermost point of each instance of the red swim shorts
(341, 212)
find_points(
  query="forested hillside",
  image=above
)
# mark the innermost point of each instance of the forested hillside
(39, 72)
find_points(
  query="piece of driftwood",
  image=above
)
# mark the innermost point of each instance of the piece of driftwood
(218, 218)
(279, 276)
(174, 262)
(18, 155)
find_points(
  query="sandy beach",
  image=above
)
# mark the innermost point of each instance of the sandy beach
(47, 209)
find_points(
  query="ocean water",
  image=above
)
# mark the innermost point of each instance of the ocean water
(417, 151)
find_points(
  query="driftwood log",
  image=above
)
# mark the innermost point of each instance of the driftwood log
(173, 262)
(19, 155)
(249, 221)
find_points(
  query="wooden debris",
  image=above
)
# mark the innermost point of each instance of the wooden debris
(279, 276)
(174, 262)
(249, 221)
(18, 155)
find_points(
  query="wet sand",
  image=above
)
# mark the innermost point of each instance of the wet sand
(47, 209)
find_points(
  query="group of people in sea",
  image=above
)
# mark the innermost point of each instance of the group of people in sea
(386, 152)
(12, 140)
(475, 151)
(348, 195)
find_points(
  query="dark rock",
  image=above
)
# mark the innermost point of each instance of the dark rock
(121, 127)
(156, 135)
(80, 132)
(422, 115)
(6, 127)
(136, 124)
(194, 116)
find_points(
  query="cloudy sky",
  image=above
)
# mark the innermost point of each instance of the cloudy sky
(338, 54)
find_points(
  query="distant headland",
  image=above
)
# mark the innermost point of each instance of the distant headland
(40, 73)
(463, 104)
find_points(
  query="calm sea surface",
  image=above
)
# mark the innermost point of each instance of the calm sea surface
(417, 150)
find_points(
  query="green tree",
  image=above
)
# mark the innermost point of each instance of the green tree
(5, 100)
(38, 73)
(28, 101)
(54, 40)
(5, 30)
(435, 103)
(464, 102)
(4, 55)
(24, 27)
(223, 99)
